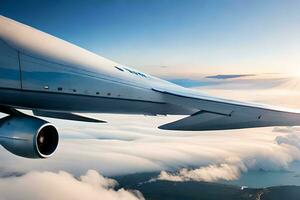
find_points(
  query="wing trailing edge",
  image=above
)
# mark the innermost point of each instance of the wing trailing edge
(207, 121)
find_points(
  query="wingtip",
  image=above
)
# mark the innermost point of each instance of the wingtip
(98, 121)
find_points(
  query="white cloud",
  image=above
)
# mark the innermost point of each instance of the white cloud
(286, 149)
(275, 156)
(210, 173)
(63, 186)
(291, 139)
(255, 149)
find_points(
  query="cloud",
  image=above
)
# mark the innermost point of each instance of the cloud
(291, 139)
(156, 150)
(63, 186)
(211, 173)
(289, 129)
(285, 151)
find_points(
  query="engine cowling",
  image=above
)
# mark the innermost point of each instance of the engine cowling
(28, 136)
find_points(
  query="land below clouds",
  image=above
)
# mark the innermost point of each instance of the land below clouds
(167, 190)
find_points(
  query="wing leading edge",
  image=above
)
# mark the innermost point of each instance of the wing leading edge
(221, 114)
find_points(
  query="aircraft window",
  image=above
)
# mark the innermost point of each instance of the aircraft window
(120, 69)
(59, 89)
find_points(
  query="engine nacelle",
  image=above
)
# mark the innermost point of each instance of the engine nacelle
(28, 136)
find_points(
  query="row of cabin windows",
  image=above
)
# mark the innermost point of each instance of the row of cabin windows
(131, 71)
(46, 87)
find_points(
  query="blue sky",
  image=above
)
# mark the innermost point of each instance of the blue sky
(185, 37)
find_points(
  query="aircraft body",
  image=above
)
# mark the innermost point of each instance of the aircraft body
(55, 78)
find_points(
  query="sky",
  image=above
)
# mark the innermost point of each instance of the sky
(172, 37)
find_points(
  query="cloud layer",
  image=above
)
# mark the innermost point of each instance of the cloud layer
(286, 149)
(63, 186)
(220, 155)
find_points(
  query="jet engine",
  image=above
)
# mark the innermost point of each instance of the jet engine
(28, 136)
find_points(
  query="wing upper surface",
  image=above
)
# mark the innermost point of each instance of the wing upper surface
(222, 114)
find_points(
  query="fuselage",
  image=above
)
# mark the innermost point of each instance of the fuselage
(39, 71)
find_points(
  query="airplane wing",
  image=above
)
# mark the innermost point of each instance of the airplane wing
(221, 114)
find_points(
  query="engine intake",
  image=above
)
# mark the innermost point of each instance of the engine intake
(28, 136)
